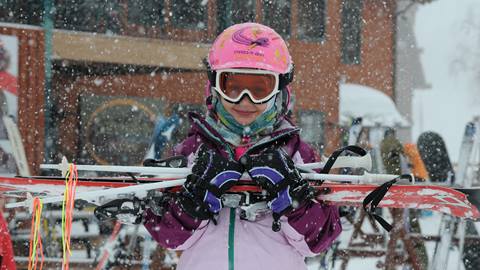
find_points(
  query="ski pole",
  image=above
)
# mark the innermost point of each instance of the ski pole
(365, 178)
(364, 162)
(63, 167)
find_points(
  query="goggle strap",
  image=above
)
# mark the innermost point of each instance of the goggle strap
(211, 74)
(285, 78)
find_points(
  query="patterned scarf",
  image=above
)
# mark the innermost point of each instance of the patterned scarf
(234, 132)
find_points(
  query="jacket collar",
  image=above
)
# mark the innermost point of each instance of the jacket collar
(200, 126)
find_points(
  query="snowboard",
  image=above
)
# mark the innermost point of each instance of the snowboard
(416, 164)
(435, 157)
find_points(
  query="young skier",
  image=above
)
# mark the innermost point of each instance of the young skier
(245, 130)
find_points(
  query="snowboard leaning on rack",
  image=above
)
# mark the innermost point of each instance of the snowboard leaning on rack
(435, 157)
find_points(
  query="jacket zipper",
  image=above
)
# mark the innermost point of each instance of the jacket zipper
(231, 240)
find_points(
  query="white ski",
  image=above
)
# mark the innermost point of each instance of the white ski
(18, 150)
(470, 158)
(465, 154)
(440, 255)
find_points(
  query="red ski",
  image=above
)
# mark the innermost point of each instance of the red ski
(432, 197)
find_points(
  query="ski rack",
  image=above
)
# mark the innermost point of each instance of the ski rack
(389, 247)
(408, 239)
(377, 238)
(449, 227)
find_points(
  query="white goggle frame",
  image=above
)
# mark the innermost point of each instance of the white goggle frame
(246, 91)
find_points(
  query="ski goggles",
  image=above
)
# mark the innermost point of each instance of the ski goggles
(259, 85)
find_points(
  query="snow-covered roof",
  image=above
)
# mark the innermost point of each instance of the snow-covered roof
(374, 106)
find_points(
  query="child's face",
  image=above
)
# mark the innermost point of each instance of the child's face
(244, 112)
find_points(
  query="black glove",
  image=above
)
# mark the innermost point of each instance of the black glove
(275, 172)
(212, 175)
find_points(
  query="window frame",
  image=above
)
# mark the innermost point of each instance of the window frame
(345, 55)
(221, 21)
(319, 117)
(179, 25)
(299, 36)
(289, 34)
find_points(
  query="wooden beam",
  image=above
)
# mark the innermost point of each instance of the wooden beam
(101, 48)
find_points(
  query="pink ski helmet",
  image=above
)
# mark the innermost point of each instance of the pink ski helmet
(250, 45)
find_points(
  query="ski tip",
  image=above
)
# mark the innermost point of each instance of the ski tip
(64, 166)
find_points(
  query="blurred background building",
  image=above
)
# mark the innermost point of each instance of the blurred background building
(95, 76)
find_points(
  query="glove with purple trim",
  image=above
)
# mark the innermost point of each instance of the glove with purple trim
(275, 172)
(212, 175)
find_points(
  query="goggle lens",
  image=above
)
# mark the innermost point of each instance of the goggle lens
(260, 86)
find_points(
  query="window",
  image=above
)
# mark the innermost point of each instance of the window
(146, 13)
(231, 12)
(312, 124)
(190, 14)
(351, 31)
(90, 15)
(311, 20)
(25, 12)
(276, 14)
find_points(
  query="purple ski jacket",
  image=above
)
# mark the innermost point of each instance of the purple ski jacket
(239, 244)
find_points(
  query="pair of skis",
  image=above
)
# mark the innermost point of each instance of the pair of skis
(337, 189)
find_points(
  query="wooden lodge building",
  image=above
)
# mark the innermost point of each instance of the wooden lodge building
(94, 76)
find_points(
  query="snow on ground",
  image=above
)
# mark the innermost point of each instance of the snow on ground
(429, 224)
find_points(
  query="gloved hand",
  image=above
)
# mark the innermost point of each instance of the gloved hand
(275, 172)
(212, 175)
